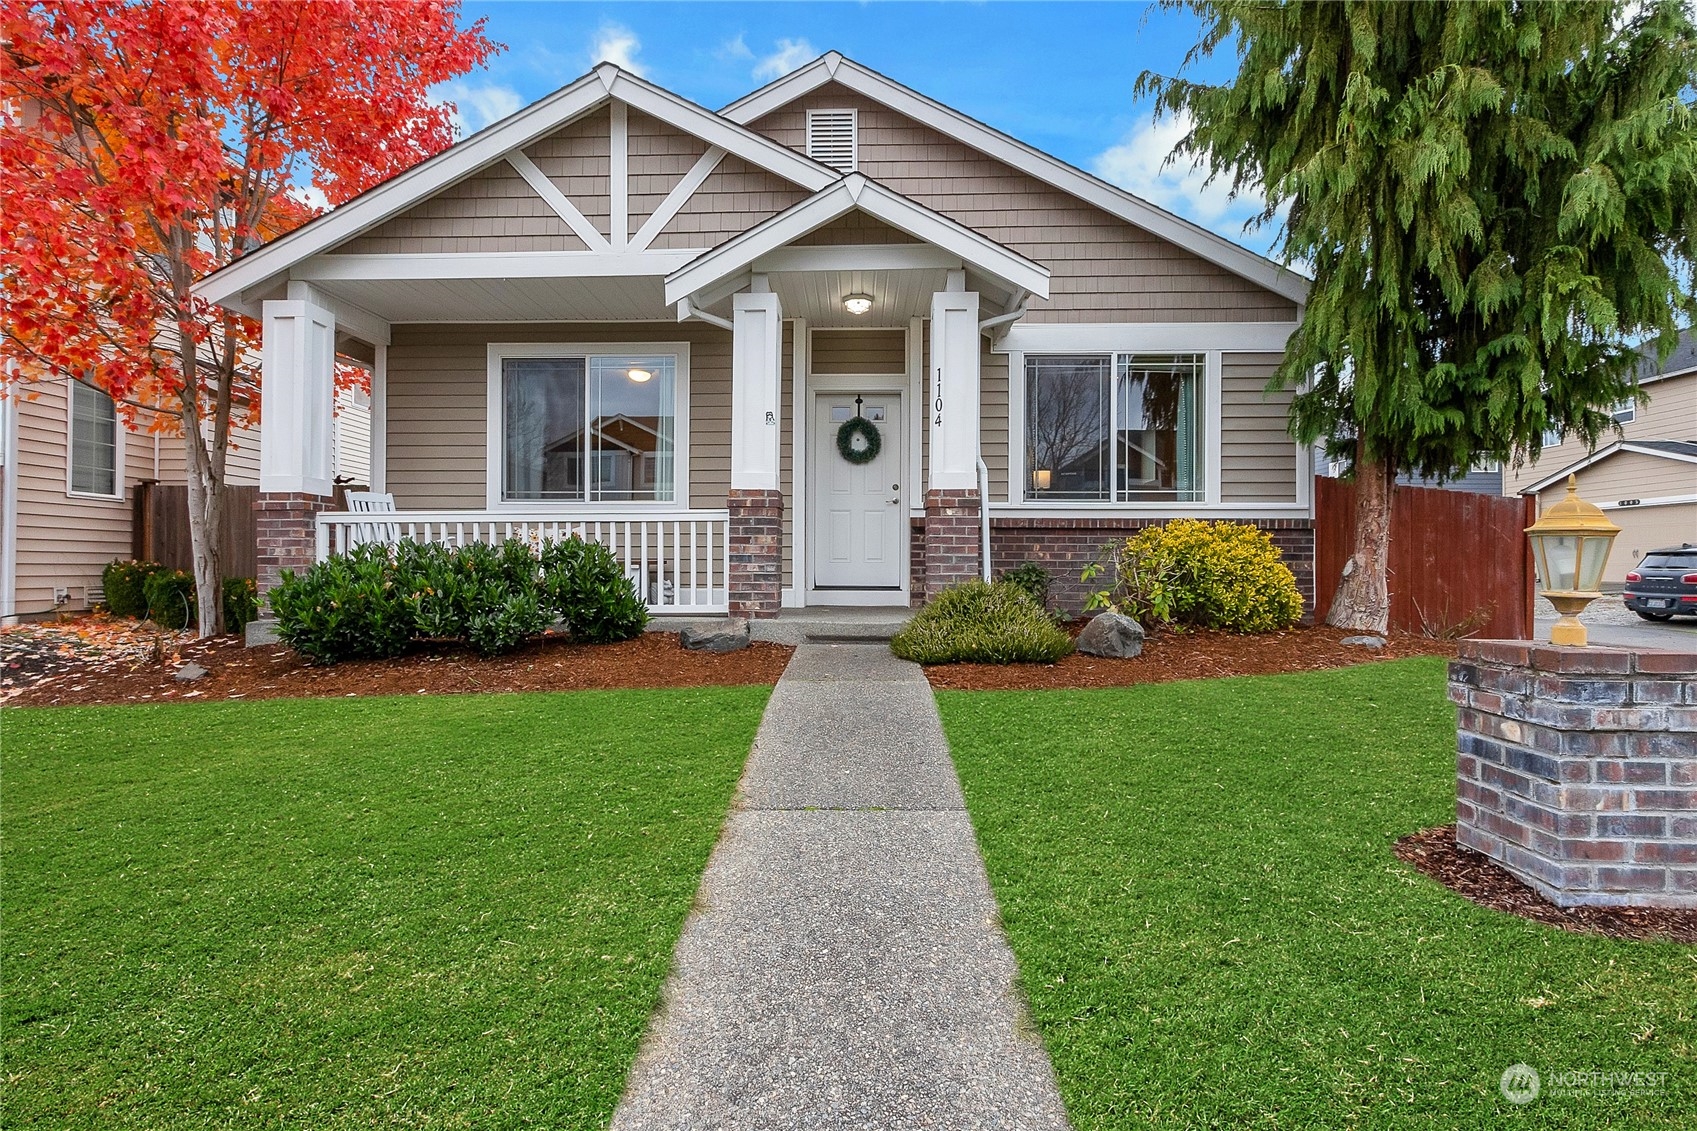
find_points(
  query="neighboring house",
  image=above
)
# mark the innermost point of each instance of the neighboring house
(1483, 478)
(1645, 479)
(71, 471)
(618, 314)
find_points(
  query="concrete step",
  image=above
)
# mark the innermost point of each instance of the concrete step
(807, 626)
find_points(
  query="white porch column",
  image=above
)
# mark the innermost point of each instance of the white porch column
(756, 368)
(953, 406)
(298, 384)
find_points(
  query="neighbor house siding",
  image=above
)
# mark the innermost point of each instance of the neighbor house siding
(1257, 453)
(437, 389)
(1670, 415)
(1103, 269)
(1631, 475)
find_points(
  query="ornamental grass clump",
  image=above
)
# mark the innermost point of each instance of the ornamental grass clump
(1224, 575)
(984, 624)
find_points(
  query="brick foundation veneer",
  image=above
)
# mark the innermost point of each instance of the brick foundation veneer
(1576, 769)
(286, 526)
(952, 536)
(1064, 546)
(756, 535)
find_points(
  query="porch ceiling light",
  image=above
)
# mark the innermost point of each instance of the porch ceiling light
(857, 303)
(638, 375)
(1571, 541)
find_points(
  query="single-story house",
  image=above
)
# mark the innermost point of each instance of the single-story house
(790, 353)
(1648, 488)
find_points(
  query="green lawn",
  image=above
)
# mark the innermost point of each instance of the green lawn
(443, 912)
(1212, 931)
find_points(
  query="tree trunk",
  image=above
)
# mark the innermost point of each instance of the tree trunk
(1363, 599)
(206, 524)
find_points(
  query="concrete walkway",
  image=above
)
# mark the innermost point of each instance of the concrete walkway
(844, 967)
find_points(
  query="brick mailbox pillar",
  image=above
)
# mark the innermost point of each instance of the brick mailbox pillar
(1576, 769)
(756, 536)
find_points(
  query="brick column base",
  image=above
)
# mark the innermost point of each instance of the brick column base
(756, 537)
(1576, 769)
(286, 525)
(952, 539)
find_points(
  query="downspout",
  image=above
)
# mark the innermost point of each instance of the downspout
(989, 325)
(9, 497)
(687, 312)
(984, 518)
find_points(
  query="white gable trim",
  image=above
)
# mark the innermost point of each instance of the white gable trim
(490, 145)
(1599, 456)
(677, 198)
(737, 254)
(555, 199)
(1051, 170)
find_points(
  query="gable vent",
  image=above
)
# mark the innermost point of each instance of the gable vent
(831, 138)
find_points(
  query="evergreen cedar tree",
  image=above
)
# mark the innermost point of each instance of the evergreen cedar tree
(1497, 200)
(148, 144)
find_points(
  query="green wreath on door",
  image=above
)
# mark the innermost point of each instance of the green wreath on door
(867, 431)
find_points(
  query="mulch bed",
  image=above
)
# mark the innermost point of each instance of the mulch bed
(1199, 654)
(1476, 877)
(654, 659)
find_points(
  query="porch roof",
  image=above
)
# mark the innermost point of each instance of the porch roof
(899, 277)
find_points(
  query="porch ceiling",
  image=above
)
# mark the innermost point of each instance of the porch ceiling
(615, 299)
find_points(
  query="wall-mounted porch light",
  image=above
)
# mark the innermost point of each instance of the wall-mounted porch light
(857, 303)
(1571, 541)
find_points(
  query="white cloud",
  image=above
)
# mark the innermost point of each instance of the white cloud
(790, 54)
(313, 197)
(478, 106)
(618, 45)
(733, 50)
(1139, 165)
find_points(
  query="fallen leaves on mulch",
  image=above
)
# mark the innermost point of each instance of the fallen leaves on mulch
(1198, 654)
(654, 659)
(1478, 878)
(91, 647)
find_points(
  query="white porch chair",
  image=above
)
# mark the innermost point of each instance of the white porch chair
(372, 502)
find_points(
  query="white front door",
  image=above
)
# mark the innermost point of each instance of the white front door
(856, 528)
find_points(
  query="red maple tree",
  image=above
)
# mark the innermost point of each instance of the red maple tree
(147, 144)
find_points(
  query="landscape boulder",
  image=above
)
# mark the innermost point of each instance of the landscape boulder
(190, 672)
(1373, 642)
(721, 636)
(1111, 635)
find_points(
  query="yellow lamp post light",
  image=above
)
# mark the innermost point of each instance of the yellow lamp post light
(1571, 542)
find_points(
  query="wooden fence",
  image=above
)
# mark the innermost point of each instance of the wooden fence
(1458, 559)
(160, 532)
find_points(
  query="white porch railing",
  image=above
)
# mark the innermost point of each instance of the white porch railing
(679, 560)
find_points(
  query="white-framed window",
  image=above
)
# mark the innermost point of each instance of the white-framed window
(94, 450)
(1625, 412)
(833, 138)
(1115, 428)
(588, 424)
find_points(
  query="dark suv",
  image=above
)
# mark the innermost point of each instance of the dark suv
(1664, 583)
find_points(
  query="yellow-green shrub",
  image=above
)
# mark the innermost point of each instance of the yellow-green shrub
(1225, 575)
(978, 623)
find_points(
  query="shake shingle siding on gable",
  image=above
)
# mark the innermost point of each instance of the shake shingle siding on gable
(732, 200)
(660, 155)
(493, 211)
(1104, 269)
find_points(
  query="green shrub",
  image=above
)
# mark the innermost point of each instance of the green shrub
(123, 583)
(241, 603)
(980, 623)
(170, 598)
(1225, 575)
(349, 607)
(586, 588)
(1032, 578)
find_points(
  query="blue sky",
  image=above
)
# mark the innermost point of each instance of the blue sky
(1056, 75)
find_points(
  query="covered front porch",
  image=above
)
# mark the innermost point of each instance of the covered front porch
(705, 395)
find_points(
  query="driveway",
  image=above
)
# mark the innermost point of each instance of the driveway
(1610, 622)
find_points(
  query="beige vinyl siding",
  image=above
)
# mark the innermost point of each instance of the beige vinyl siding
(437, 388)
(735, 197)
(1257, 453)
(492, 211)
(993, 419)
(1670, 415)
(659, 157)
(854, 228)
(353, 440)
(1104, 269)
(859, 351)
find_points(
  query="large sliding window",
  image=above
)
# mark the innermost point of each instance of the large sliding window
(94, 442)
(1114, 428)
(589, 428)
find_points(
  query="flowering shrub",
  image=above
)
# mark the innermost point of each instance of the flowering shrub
(1225, 575)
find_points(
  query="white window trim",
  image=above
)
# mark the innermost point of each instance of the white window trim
(118, 431)
(1019, 475)
(495, 423)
